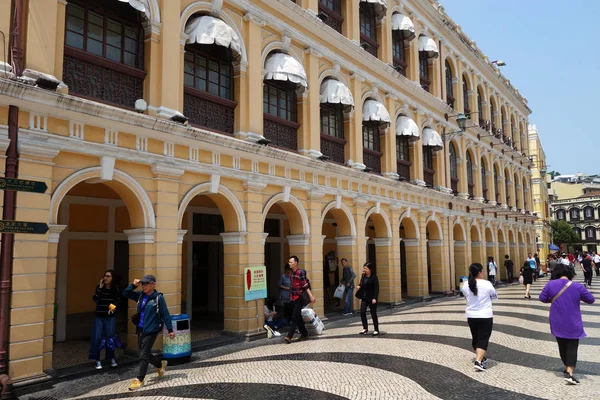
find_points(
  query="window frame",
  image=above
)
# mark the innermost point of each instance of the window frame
(590, 237)
(197, 51)
(466, 108)
(337, 111)
(291, 99)
(424, 70)
(449, 85)
(398, 42)
(484, 188)
(574, 214)
(371, 136)
(452, 155)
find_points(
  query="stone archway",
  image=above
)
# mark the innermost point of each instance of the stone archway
(409, 258)
(436, 271)
(379, 251)
(490, 247)
(460, 253)
(476, 246)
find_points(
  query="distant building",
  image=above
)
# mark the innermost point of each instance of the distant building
(539, 188)
(583, 213)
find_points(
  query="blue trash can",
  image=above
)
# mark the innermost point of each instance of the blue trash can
(181, 345)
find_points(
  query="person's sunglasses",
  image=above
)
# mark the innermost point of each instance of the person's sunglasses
(146, 283)
(107, 276)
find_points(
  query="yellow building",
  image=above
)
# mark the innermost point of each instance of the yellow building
(313, 127)
(539, 186)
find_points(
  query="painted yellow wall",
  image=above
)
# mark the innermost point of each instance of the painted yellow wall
(87, 260)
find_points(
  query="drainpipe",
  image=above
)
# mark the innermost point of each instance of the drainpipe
(8, 211)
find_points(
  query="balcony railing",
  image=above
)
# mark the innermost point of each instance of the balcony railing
(404, 169)
(428, 176)
(471, 188)
(209, 111)
(454, 185)
(333, 147)
(372, 159)
(97, 78)
(424, 83)
(369, 45)
(331, 18)
(282, 133)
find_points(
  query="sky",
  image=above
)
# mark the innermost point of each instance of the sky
(550, 50)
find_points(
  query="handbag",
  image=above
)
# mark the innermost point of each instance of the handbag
(521, 279)
(360, 292)
(305, 298)
(339, 292)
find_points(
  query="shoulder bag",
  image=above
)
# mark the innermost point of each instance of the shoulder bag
(360, 292)
(561, 292)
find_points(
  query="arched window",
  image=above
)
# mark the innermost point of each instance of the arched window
(403, 157)
(453, 169)
(560, 215)
(375, 118)
(368, 28)
(484, 188)
(577, 232)
(399, 52)
(330, 12)
(449, 87)
(208, 98)
(104, 52)
(428, 49)
(336, 98)
(590, 233)
(465, 90)
(428, 170)
(507, 187)
(574, 214)
(497, 185)
(517, 194)
(493, 116)
(470, 181)
(480, 109)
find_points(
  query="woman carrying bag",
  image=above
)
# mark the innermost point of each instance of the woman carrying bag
(368, 292)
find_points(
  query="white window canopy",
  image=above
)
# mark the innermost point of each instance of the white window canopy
(140, 5)
(375, 111)
(404, 25)
(283, 67)
(405, 126)
(429, 46)
(432, 139)
(211, 30)
(380, 7)
(335, 92)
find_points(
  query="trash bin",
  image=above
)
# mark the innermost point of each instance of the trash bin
(180, 347)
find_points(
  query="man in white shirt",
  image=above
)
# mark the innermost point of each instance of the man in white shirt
(596, 260)
(564, 260)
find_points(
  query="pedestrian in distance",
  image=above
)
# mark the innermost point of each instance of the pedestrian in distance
(566, 323)
(348, 277)
(285, 284)
(151, 314)
(509, 265)
(368, 292)
(527, 274)
(532, 265)
(300, 297)
(107, 297)
(492, 270)
(587, 266)
(596, 260)
(479, 294)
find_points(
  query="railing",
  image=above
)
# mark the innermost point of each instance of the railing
(404, 169)
(424, 83)
(209, 111)
(369, 45)
(97, 78)
(282, 133)
(450, 100)
(484, 194)
(333, 147)
(454, 185)
(372, 159)
(400, 66)
(331, 18)
(428, 176)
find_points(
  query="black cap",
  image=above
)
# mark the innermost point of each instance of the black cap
(148, 279)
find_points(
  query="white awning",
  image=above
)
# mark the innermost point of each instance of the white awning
(375, 111)
(335, 92)
(433, 139)
(405, 126)
(404, 25)
(380, 7)
(428, 45)
(282, 67)
(211, 30)
(137, 4)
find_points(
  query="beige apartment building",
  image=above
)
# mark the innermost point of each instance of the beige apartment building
(314, 128)
(540, 182)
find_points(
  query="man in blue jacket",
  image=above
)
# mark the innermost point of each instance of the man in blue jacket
(152, 313)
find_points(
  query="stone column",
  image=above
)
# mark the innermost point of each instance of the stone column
(416, 152)
(347, 248)
(351, 25)
(354, 144)
(152, 64)
(239, 315)
(385, 271)
(309, 134)
(388, 148)
(41, 35)
(476, 253)
(171, 95)
(384, 31)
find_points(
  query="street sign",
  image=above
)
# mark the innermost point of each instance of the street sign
(22, 185)
(23, 227)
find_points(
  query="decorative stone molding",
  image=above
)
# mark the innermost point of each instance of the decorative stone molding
(54, 232)
(315, 193)
(475, 243)
(180, 234)
(253, 18)
(460, 243)
(264, 238)
(141, 235)
(464, 196)
(167, 171)
(37, 150)
(411, 242)
(234, 237)
(346, 240)
(314, 154)
(254, 185)
(382, 242)
(298, 240)
(360, 200)
(391, 175)
(435, 243)
(419, 182)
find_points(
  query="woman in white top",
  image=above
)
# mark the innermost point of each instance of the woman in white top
(479, 294)
(492, 270)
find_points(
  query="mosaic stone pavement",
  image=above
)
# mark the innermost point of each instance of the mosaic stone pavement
(423, 352)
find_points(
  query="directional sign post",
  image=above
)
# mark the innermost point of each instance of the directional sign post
(22, 185)
(23, 227)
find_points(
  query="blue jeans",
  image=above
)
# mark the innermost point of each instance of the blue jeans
(348, 299)
(103, 333)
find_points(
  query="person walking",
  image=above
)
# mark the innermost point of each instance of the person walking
(479, 294)
(285, 285)
(566, 323)
(587, 265)
(527, 274)
(492, 269)
(107, 297)
(532, 265)
(551, 264)
(151, 314)
(300, 296)
(369, 293)
(596, 260)
(348, 277)
(509, 265)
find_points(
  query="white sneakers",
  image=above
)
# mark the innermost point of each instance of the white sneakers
(98, 365)
(113, 363)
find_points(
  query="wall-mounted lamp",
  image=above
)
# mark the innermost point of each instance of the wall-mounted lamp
(323, 157)
(263, 141)
(367, 169)
(499, 63)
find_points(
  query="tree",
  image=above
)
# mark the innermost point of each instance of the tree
(554, 173)
(562, 233)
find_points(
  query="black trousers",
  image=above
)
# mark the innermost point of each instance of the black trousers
(145, 343)
(509, 272)
(481, 330)
(363, 314)
(568, 351)
(587, 276)
(297, 320)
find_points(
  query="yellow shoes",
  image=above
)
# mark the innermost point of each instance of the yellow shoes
(161, 371)
(136, 384)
